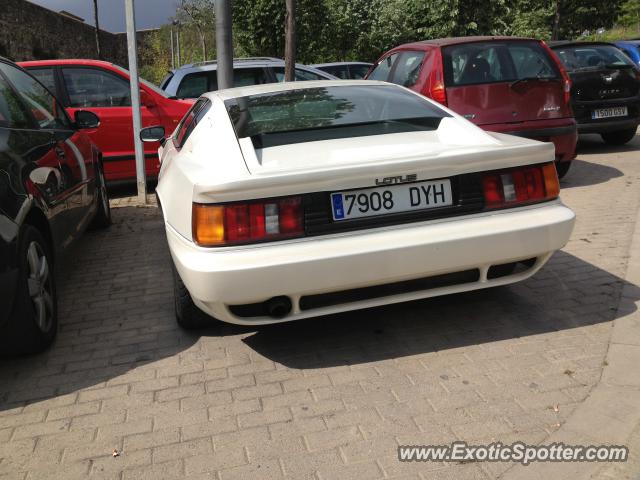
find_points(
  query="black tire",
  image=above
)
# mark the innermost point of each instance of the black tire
(619, 137)
(103, 214)
(33, 323)
(188, 315)
(563, 168)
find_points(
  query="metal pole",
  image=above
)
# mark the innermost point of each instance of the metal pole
(290, 42)
(173, 58)
(224, 43)
(141, 177)
(178, 45)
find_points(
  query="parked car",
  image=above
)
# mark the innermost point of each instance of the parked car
(606, 89)
(345, 70)
(191, 81)
(103, 88)
(283, 202)
(51, 187)
(502, 84)
(631, 48)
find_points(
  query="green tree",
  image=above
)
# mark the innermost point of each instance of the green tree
(630, 15)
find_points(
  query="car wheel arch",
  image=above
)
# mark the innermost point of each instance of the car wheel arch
(37, 219)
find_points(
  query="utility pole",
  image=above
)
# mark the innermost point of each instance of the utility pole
(290, 42)
(177, 25)
(95, 17)
(173, 56)
(141, 177)
(224, 44)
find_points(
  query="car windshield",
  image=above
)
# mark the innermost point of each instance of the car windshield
(146, 83)
(332, 112)
(586, 57)
(493, 62)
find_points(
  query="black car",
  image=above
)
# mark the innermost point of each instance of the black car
(51, 188)
(605, 94)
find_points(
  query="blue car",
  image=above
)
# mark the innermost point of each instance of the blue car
(631, 48)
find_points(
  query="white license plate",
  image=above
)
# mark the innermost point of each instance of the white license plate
(391, 199)
(609, 112)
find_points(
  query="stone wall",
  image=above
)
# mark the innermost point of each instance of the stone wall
(31, 32)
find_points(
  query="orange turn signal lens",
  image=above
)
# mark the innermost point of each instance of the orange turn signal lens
(551, 182)
(207, 224)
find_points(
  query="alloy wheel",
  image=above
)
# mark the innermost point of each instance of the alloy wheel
(40, 286)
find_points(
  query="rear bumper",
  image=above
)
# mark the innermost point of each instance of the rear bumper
(588, 125)
(562, 133)
(219, 279)
(609, 125)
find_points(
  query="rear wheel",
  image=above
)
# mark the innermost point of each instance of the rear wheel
(34, 320)
(619, 137)
(188, 315)
(563, 168)
(103, 215)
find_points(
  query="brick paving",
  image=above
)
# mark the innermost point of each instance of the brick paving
(321, 399)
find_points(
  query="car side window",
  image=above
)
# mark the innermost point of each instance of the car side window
(408, 68)
(300, 75)
(12, 112)
(358, 72)
(39, 101)
(193, 85)
(340, 71)
(45, 76)
(90, 87)
(243, 77)
(382, 70)
(190, 120)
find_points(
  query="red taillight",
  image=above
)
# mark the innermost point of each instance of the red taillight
(522, 185)
(437, 88)
(566, 80)
(247, 222)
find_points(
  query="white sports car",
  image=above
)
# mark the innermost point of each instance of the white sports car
(289, 201)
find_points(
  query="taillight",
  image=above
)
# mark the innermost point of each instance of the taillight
(247, 222)
(507, 188)
(566, 80)
(437, 88)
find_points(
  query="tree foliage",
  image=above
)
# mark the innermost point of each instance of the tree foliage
(338, 30)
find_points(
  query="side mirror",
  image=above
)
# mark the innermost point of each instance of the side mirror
(146, 99)
(86, 119)
(152, 134)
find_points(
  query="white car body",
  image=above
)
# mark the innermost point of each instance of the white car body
(214, 166)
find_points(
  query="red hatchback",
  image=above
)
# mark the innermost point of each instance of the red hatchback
(502, 84)
(103, 88)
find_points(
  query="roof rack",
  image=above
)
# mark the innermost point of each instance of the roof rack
(242, 59)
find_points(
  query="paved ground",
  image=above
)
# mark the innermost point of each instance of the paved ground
(327, 398)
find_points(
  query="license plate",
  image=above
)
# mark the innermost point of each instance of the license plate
(609, 112)
(391, 199)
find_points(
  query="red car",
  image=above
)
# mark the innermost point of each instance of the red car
(103, 88)
(502, 84)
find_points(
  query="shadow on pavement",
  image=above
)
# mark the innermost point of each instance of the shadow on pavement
(584, 173)
(116, 314)
(593, 143)
(568, 293)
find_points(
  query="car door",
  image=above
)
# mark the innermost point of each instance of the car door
(108, 95)
(29, 164)
(73, 151)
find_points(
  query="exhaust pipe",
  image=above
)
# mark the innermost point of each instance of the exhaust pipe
(278, 307)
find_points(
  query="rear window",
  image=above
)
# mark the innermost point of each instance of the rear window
(587, 57)
(493, 62)
(313, 114)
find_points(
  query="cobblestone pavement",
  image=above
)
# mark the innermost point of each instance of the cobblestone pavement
(325, 398)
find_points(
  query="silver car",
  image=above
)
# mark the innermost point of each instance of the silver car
(192, 80)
